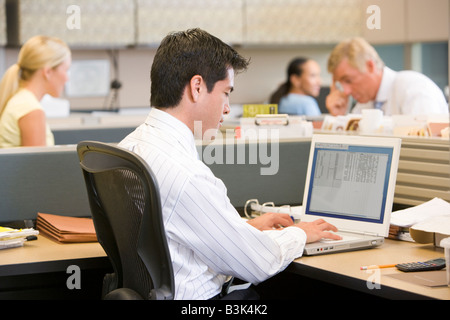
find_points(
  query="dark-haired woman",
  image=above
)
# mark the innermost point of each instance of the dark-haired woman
(297, 95)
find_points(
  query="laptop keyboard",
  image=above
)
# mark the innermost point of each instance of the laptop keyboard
(345, 237)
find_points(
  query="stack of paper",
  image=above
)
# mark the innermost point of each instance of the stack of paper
(10, 238)
(66, 229)
(426, 223)
(411, 216)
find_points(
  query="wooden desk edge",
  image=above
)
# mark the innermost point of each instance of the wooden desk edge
(45, 255)
(317, 267)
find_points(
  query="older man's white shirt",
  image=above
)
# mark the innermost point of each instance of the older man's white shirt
(407, 92)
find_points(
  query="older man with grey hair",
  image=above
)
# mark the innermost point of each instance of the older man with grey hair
(358, 71)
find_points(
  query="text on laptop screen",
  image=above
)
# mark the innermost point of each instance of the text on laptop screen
(349, 181)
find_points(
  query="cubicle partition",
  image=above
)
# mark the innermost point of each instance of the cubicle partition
(423, 171)
(49, 180)
(276, 173)
(74, 135)
(110, 127)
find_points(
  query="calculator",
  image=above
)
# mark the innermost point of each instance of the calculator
(429, 265)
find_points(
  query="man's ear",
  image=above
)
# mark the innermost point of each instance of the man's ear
(370, 66)
(196, 85)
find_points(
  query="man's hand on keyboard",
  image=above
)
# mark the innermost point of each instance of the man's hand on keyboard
(318, 229)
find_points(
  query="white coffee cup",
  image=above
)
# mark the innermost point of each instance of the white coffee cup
(445, 243)
(371, 121)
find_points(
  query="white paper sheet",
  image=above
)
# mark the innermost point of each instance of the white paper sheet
(411, 216)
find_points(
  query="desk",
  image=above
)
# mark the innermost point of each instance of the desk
(343, 269)
(38, 270)
(39, 261)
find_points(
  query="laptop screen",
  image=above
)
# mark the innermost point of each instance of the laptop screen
(349, 181)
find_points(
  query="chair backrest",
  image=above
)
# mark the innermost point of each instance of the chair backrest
(125, 205)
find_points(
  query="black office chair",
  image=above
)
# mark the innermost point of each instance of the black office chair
(125, 205)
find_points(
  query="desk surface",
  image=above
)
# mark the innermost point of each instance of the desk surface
(45, 254)
(344, 269)
(45, 249)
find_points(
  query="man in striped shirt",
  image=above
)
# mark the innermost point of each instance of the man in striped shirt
(192, 77)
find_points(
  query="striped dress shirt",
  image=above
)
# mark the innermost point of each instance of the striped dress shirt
(207, 238)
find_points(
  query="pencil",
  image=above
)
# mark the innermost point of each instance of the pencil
(378, 267)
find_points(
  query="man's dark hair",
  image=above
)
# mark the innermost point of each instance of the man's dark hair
(182, 55)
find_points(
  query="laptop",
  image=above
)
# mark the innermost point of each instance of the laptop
(350, 183)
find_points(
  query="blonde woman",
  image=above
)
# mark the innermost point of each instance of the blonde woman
(42, 68)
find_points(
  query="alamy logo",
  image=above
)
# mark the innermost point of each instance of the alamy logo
(374, 20)
(73, 21)
(374, 279)
(262, 148)
(74, 280)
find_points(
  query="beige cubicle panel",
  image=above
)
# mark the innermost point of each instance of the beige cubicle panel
(424, 170)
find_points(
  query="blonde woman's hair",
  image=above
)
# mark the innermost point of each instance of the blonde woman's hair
(38, 52)
(357, 51)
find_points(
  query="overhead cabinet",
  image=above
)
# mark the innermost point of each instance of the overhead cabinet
(301, 22)
(156, 18)
(119, 23)
(80, 23)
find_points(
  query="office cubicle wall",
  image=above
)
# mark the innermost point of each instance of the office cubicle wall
(47, 180)
(75, 135)
(50, 180)
(258, 180)
(104, 126)
(423, 171)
